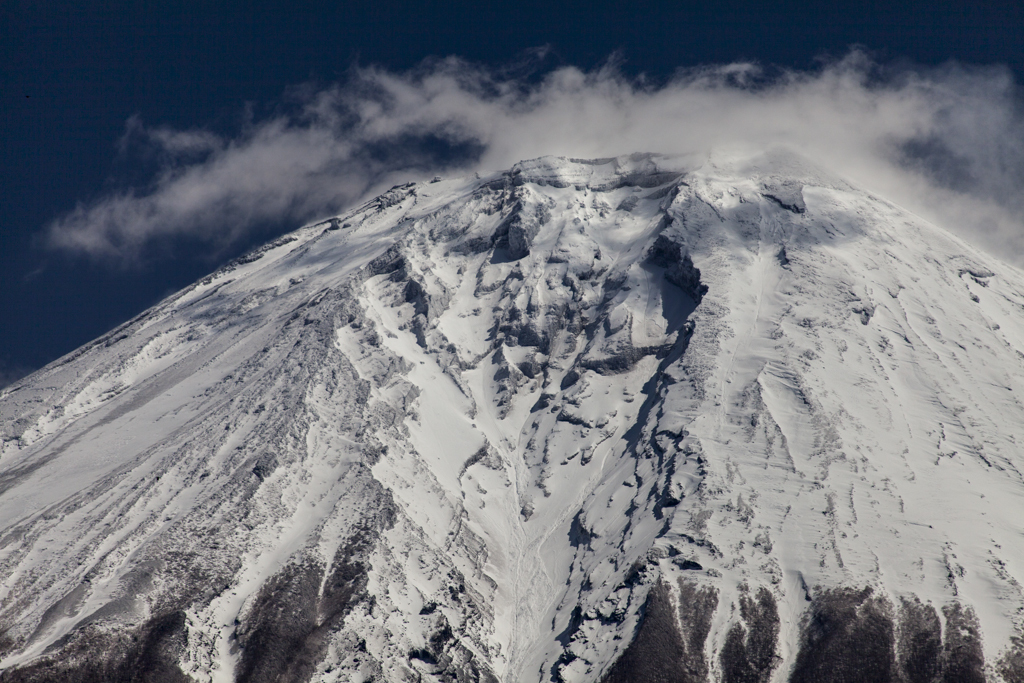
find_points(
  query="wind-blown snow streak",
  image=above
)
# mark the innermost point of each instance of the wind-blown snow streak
(722, 418)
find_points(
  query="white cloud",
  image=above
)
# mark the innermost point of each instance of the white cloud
(946, 142)
(12, 372)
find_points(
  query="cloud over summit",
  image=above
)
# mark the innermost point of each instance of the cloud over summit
(946, 142)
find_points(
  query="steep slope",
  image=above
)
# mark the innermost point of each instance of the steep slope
(644, 418)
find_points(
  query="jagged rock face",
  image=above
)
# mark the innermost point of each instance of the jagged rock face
(646, 418)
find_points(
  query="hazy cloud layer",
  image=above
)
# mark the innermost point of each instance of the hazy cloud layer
(947, 143)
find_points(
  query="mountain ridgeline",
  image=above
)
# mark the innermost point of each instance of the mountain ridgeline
(675, 419)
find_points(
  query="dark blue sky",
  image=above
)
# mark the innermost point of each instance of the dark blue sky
(72, 74)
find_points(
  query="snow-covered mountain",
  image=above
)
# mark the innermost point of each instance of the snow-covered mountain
(636, 419)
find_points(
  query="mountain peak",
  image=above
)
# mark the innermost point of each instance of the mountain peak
(715, 417)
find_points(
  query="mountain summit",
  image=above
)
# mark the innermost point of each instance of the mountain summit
(648, 418)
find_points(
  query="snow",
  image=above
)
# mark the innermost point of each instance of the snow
(840, 409)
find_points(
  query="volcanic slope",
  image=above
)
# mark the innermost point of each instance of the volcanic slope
(652, 418)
